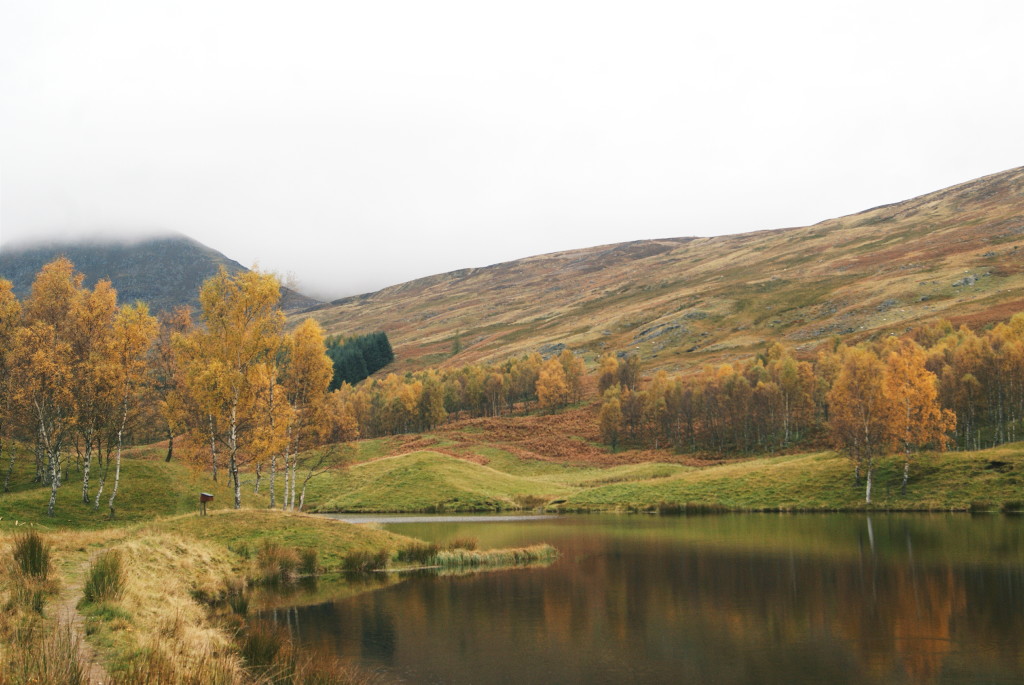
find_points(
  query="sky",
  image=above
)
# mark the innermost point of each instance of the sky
(355, 145)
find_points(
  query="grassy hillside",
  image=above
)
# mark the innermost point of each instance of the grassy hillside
(954, 253)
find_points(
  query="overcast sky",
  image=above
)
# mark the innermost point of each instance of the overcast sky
(359, 144)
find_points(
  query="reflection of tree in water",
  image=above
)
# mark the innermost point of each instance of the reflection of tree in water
(377, 634)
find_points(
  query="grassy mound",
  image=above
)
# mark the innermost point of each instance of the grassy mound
(149, 488)
(428, 482)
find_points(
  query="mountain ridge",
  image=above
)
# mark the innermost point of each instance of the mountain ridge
(680, 302)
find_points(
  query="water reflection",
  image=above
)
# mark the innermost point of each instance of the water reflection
(730, 599)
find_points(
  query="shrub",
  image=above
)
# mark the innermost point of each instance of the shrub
(106, 578)
(32, 555)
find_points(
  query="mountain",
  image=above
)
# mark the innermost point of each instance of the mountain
(164, 271)
(956, 253)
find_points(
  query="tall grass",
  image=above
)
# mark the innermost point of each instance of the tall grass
(50, 659)
(276, 563)
(154, 666)
(32, 555)
(106, 579)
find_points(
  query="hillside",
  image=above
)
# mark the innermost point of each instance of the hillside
(164, 271)
(954, 253)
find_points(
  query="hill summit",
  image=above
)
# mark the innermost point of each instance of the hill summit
(163, 271)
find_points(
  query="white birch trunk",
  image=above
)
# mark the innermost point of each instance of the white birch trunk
(117, 466)
(233, 457)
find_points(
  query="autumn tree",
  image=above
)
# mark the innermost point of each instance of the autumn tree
(133, 333)
(165, 374)
(552, 386)
(43, 367)
(862, 415)
(607, 372)
(10, 319)
(575, 370)
(611, 417)
(307, 373)
(91, 329)
(919, 419)
(226, 358)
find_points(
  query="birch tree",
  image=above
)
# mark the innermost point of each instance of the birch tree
(226, 360)
(133, 333)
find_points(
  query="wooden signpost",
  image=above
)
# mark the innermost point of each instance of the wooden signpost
(204, 497)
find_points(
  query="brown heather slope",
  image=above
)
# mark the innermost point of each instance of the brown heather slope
(685, 301)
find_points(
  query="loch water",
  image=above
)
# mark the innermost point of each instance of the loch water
(729, 598)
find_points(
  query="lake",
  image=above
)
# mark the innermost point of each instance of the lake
(733, 598)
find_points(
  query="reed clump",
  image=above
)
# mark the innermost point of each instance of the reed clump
(518, 556)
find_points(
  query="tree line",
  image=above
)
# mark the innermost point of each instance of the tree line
(934, 388)
(421, 401)
(79, 374)
(357, 358)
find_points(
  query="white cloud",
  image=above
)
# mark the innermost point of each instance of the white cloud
(360, 144)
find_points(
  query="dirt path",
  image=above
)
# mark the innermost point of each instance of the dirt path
(67, 612)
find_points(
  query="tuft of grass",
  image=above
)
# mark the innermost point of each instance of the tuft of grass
(309, 561)
(463, 543)
(32, 554)
(422, 553)
(106, 579)
(365, 561)
(276, 563)
(261, 642)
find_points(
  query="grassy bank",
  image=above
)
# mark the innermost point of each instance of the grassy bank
(988, 480)
(167, 600)
(486, 477)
